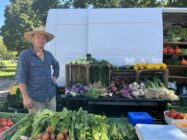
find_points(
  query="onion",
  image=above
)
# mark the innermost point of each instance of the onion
(39, 136)
(60, 136)
(52, 137)
(49, 129)
(45, 136)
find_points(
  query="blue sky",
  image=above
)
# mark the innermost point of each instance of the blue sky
(3, 3)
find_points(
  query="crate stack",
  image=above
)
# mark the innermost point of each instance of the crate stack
(80, 73)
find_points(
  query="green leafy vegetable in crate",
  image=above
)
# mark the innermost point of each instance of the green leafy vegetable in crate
(121, 130)
(72, 125)
(96, 90)
(85, 60)
(99, 73)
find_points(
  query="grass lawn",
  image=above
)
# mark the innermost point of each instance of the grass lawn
(10, 69)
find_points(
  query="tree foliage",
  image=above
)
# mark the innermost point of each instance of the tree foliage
(177, 3)
(20, 18)
(4, 53)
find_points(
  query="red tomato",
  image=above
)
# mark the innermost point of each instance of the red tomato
(1, 129)
(10, 123)
(5, 128)
(180, 116)
(173, 114)
(165, 51)
(4, 123)
(172, 110)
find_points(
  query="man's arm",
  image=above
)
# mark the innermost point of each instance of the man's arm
(56, 69)
(21, 79)
(26, 99)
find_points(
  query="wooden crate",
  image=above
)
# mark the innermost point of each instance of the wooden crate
(149, 74)
(123, 74)
(139, 75)
(79, 73)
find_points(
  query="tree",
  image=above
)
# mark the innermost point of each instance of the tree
(19, 18)
(140, 3)
(24, 15)
(4, 53)
(3, 48)
(177, 3)
(80, 3)
(105, 3)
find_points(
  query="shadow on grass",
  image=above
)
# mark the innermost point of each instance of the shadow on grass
(10, 70)
(7, 77)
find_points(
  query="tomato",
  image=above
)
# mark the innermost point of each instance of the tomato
(180, 116)
(172, 110)
(1, 129)
(173, 114)
(5, 128)
(165, 51)
(10, 123)
(4, 123)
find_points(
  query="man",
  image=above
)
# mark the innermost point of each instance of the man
(34, 75)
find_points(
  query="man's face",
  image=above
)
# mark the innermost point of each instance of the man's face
(39, 40)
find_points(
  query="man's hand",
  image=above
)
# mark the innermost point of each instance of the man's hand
(54, 80)
(27, 103)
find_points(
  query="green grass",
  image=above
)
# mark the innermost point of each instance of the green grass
(10, 69)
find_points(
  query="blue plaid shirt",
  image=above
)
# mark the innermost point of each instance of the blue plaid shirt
(37, 74)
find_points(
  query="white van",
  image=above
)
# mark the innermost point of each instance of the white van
(121, 36)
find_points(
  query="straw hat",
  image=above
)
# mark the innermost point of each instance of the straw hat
(28, 35)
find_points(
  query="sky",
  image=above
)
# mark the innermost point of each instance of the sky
(3, 3)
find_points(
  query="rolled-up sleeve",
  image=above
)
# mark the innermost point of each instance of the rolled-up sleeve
(21, 70)
(56, 67)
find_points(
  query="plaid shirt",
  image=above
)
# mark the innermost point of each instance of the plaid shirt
(37, 74)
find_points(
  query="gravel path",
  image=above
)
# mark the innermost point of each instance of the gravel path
(4, 83)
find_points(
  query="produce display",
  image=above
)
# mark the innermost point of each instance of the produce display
(149, 89)
(76, 89)
(85, 60)
(175, 50)
(183, 61)
(170, 50)
(88, 60)
(98, 70)
(100, 73)
(157, 90)
(172, 113)
(73, 125)
(184, 51)
(150, 66)
(5, 123)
